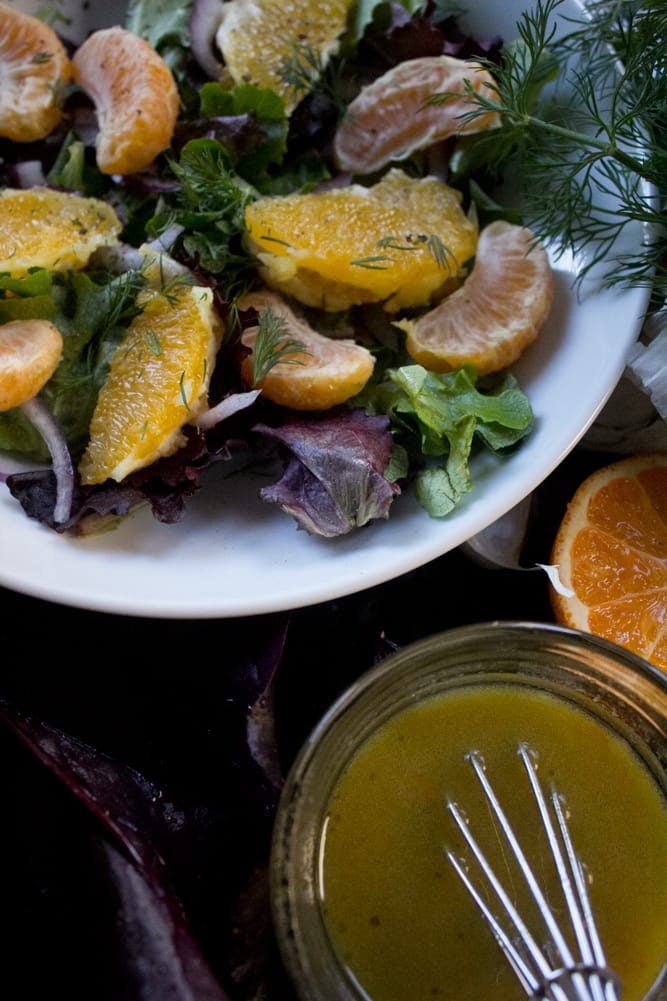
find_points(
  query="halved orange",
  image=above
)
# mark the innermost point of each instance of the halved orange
(158, 381)
(58, 230)
(402, 242)
(29, 354)
(391, 117)
(280, 44)
(325, 373)
(135, 98)
(496, 313)
(611, 553)
(34, 69)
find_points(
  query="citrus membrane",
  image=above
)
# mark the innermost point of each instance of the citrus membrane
(391, 117)
(325, 373)
(34, 70)
(496, 313)
(135, 98)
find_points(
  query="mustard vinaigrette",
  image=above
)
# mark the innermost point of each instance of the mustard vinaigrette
(366, 901)
(396, 912)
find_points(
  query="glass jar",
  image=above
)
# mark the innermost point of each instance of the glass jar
(619, 695)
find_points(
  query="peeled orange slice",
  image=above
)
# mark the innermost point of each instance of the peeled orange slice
(34, 68)
(29, 354)
(58, 230)
(401, 242)
(135, 98)
(158, 381)
(390, 118)
(327, 372)
(497, 312)
(611, 551)
(259, 39)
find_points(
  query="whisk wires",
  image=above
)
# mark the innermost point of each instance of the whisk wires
(550, 970)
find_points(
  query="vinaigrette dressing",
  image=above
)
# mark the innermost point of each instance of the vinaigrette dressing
(396, 912)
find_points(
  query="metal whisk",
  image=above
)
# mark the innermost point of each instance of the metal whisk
(548, 971)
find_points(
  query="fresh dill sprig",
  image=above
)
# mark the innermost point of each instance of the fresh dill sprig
(301, 68)
(274, 344)
(591, 155)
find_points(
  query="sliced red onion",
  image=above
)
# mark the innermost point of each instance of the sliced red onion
(39, 413)
(165, 241)
(226, 408)
(28, 174)
(205, 19)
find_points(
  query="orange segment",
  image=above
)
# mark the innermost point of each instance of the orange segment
(390, 118)
(158, 381)
(497, 312)
(327, 372)
(135, 98)
(34, 68)
(403, 242)
(259, 38)
(29, 354)
(611, 550)
(41, 227)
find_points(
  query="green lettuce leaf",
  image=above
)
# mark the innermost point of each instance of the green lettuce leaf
(438, 420)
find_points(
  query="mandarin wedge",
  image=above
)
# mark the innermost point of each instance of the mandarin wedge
(401, 242)
(58, 230)
(498, 311)
(29, 354)
(274, 43)
(158, 381)
(325, 373)
(34, 70)
(391, 117)
(135, 98)
(611, 553)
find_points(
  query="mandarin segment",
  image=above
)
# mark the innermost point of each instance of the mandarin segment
(258, 39)
(640, 626)
(58, 230)
(391, 117)
(403, 242)
(135, 98)
(158, 381)
(611, 553)
(29, 354)
(34, 70)
(625, 510)
(326, 373)
(496, 313)
(603, 567)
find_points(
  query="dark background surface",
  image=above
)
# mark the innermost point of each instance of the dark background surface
(162, 697)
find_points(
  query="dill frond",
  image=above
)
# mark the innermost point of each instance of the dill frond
(274, 344)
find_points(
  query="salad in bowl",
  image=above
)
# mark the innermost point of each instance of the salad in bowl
(238, 275)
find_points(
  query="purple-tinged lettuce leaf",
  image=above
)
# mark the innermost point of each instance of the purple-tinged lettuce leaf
(334, 479)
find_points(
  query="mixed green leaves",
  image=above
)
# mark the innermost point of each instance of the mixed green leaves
(92, 313)
(438, 420)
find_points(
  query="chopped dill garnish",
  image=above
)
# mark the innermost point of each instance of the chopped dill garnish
(274, 344)
(373, 263)
(301, 69)
(274, 239)
(181, 389)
